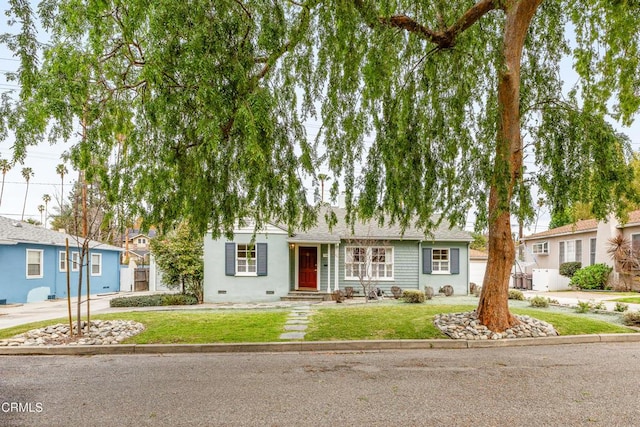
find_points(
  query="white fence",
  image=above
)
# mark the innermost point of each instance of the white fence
(549, 279)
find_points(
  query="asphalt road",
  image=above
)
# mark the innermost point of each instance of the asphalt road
(564, 385)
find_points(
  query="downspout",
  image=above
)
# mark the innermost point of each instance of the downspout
(337, 255)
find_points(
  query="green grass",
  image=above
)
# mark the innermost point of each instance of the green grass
(335, 322)
(628, 300)
(192, 327)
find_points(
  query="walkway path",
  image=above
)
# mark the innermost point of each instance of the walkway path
(296, 326)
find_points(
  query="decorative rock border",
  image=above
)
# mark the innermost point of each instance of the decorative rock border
(100, 333)
(467, 327)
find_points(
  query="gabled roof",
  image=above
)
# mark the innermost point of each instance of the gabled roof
(13, 232)
(583, 226)
(371, 230)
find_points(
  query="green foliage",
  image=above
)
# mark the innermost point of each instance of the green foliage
(179, 255)
(137, 301)
(591, 277)
(621, 307)
(516, 295)
(584, 306)
(539, 302)
(631, 318)
(568, 269)
(479, 241)
(219, 93)
(600, 305)
(413, 296)
(153, 300)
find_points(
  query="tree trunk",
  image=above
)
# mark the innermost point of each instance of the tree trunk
(493, 307)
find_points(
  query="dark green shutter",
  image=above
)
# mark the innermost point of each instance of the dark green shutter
(426, 260)
(454, 254)
(261, 255)
(230, 259)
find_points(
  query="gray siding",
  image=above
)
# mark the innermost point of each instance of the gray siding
(405, 267)
(460, 281)
(218, 287)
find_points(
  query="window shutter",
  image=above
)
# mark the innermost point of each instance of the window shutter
(426, 260)
(561, 260)
(230, 259)
(261, 261)
(455, 260)
(578, 251)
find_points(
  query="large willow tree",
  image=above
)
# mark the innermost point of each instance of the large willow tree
(204, 103)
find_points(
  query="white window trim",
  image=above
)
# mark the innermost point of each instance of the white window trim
(75, 265)
(62, 257)
(544, 245)
(99, 273)
(38, 276)
(369, 262)
(433, 261)
(247, 273)
(573, 251)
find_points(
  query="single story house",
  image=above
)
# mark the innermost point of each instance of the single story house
(585, 241)
(34, 264)
(324, 260)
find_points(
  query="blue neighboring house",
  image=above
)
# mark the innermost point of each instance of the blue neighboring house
(34, 265)
(322, 260)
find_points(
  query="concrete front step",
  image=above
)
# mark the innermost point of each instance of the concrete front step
(306, 296)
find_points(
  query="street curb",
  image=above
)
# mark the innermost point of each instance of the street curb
(318, 346)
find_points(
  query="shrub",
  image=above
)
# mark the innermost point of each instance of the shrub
(413, 296)
(179, 299)
(583, 306)
(568, 269)
(137, 301)
(621, 307)
(538, 301)
(153, 300)
(591, 277)
(631, 318)
(516, 294)
(599, 306)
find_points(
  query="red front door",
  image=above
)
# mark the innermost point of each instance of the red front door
(308, 267)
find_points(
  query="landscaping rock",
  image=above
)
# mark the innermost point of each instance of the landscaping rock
(101, 332)
(467, 326)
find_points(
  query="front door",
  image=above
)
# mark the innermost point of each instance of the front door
(308, 267)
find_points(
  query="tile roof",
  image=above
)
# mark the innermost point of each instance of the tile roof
(13, 232)
(371, 230)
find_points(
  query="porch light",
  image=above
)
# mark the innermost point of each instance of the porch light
(292, 245)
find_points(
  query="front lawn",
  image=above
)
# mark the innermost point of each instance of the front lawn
(415, 321)
(628, 300)
(388, 321)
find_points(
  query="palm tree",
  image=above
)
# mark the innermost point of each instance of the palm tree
(27, 173)
(323, 177)
(41, 210)
(46, 199)
(5, 167)
(62, 171)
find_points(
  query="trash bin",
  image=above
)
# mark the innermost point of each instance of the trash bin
(518, 280)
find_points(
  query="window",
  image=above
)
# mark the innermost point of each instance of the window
(592, 251)
(62, 261)
(540, 248)
(96, 264)
(440, 261)
(34, 264)
(246, 259)
(374, 262)
(142, 241)
(635, 242)
(75, 261)
(570, 251)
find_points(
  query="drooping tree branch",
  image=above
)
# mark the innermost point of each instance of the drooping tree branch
(445, 38)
